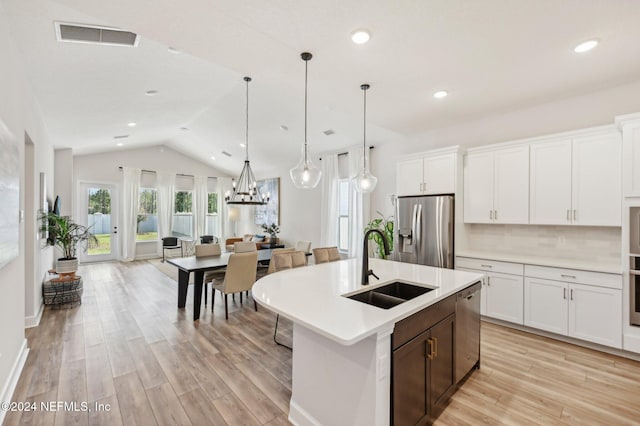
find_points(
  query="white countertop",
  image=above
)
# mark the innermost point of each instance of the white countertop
(542, 261)
(312, 296)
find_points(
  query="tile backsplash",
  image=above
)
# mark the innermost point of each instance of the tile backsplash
(583, 243)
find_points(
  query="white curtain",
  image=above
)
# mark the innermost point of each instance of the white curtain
(199, 205)
(130, 201)
(329, 203)
(226, 228)
(166, 202)
(358, 204)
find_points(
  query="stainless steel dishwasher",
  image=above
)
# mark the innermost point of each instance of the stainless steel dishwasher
(467, 330)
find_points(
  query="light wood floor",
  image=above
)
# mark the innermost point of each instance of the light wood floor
(130, 347)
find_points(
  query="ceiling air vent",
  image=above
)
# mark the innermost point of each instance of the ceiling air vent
(328, 132)
(226, 153)
(81, 33)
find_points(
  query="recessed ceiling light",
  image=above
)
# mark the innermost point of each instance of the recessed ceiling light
(151, 92)
(174, 50)
(213, 157)
(440, 94)
(119, 144)
(243, 145)
(360, 36)
(585, 46)
(132, 124)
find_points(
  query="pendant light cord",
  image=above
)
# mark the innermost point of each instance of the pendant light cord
(306, 66)
(364, 133)
(247, 123)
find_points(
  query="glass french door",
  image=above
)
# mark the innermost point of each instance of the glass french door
(99, 210)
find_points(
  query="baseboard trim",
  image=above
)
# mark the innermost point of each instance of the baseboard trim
(565, 339)
(148, 256)
(631, 342)
(34, 320)
(12, 381)
(299, 417)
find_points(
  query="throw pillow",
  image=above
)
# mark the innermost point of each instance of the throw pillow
(247, 237)
(258, 238)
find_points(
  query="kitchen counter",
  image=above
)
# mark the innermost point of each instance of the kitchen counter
(314, 296)
(341, 347)
(542, 261)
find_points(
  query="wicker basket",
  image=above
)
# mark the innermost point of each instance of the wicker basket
(62, 292)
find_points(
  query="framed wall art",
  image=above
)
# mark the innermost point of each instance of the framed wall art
(269, 213)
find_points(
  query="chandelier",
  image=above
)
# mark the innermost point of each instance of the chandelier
(245, 191)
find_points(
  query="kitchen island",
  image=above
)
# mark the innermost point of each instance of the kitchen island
(342, 356)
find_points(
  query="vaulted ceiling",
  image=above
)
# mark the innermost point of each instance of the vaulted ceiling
(490, 55)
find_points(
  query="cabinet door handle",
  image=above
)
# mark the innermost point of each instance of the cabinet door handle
(486, 266)
(424, 186)
(495, 214)
(490, 214)
(564, 293)
(429, 348)
(489, 281)
(569, 215)
(571, 294)
(435, 343)
(574, 215)
(568, 276)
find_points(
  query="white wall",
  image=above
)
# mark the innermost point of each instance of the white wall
(19, 111)
(64, 180)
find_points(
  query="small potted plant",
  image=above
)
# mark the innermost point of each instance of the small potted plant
(272, 230)
(67, 235)
(384, 225)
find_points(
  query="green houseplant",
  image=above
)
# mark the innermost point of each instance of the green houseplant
(67, 236)
(272, 230)
(384, 225)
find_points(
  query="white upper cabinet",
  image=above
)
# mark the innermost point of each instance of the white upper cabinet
(630, 126)
(597, 181)
(496, 186)
(427, 174)
(577, 181)
(550, 188)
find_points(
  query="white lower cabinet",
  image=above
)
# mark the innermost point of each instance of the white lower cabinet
(581, 311)
(581, 304)
(545, 305)
(504, 294)
(595, 314)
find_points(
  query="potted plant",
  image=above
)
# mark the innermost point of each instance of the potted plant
(384, 225)
(67, 235)
(272, 230)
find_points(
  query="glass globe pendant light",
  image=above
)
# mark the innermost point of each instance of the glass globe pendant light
(245, 192)
(305, 174)
(364, 181)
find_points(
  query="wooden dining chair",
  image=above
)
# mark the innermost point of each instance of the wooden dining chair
(326, 254)
(282, 261)
(240, 276)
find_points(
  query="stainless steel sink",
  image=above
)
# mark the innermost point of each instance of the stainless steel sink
(390, 295)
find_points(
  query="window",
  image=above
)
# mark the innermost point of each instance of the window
(343, 215)
(213, 221)
(183, 214)
(147, 220)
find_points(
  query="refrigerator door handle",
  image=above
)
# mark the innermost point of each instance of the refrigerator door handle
(438, 232)
(418, 229)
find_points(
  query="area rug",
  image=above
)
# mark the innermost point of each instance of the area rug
(168, 269)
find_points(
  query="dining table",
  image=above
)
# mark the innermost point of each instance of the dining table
(199, 265)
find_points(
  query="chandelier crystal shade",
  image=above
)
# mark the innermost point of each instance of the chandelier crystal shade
(305, 174)
(245, 189)
(364, 181)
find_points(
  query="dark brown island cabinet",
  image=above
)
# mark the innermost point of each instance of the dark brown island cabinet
(433, 351)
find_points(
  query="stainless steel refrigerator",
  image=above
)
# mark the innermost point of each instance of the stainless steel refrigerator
(424, 230)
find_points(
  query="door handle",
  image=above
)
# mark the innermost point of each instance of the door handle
(569, 215)
(495, 215)
(571, 294)
(489, 281)
(486, 266)
(429, 348)
(574, 215)
(568, 276)
(435, 343)
(564, 293)
(490, 214)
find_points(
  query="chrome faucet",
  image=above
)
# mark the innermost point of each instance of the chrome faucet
(365, 255)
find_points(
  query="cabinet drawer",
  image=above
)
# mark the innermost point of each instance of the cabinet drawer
(490, 265)
(410, 327)
(574, 276)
